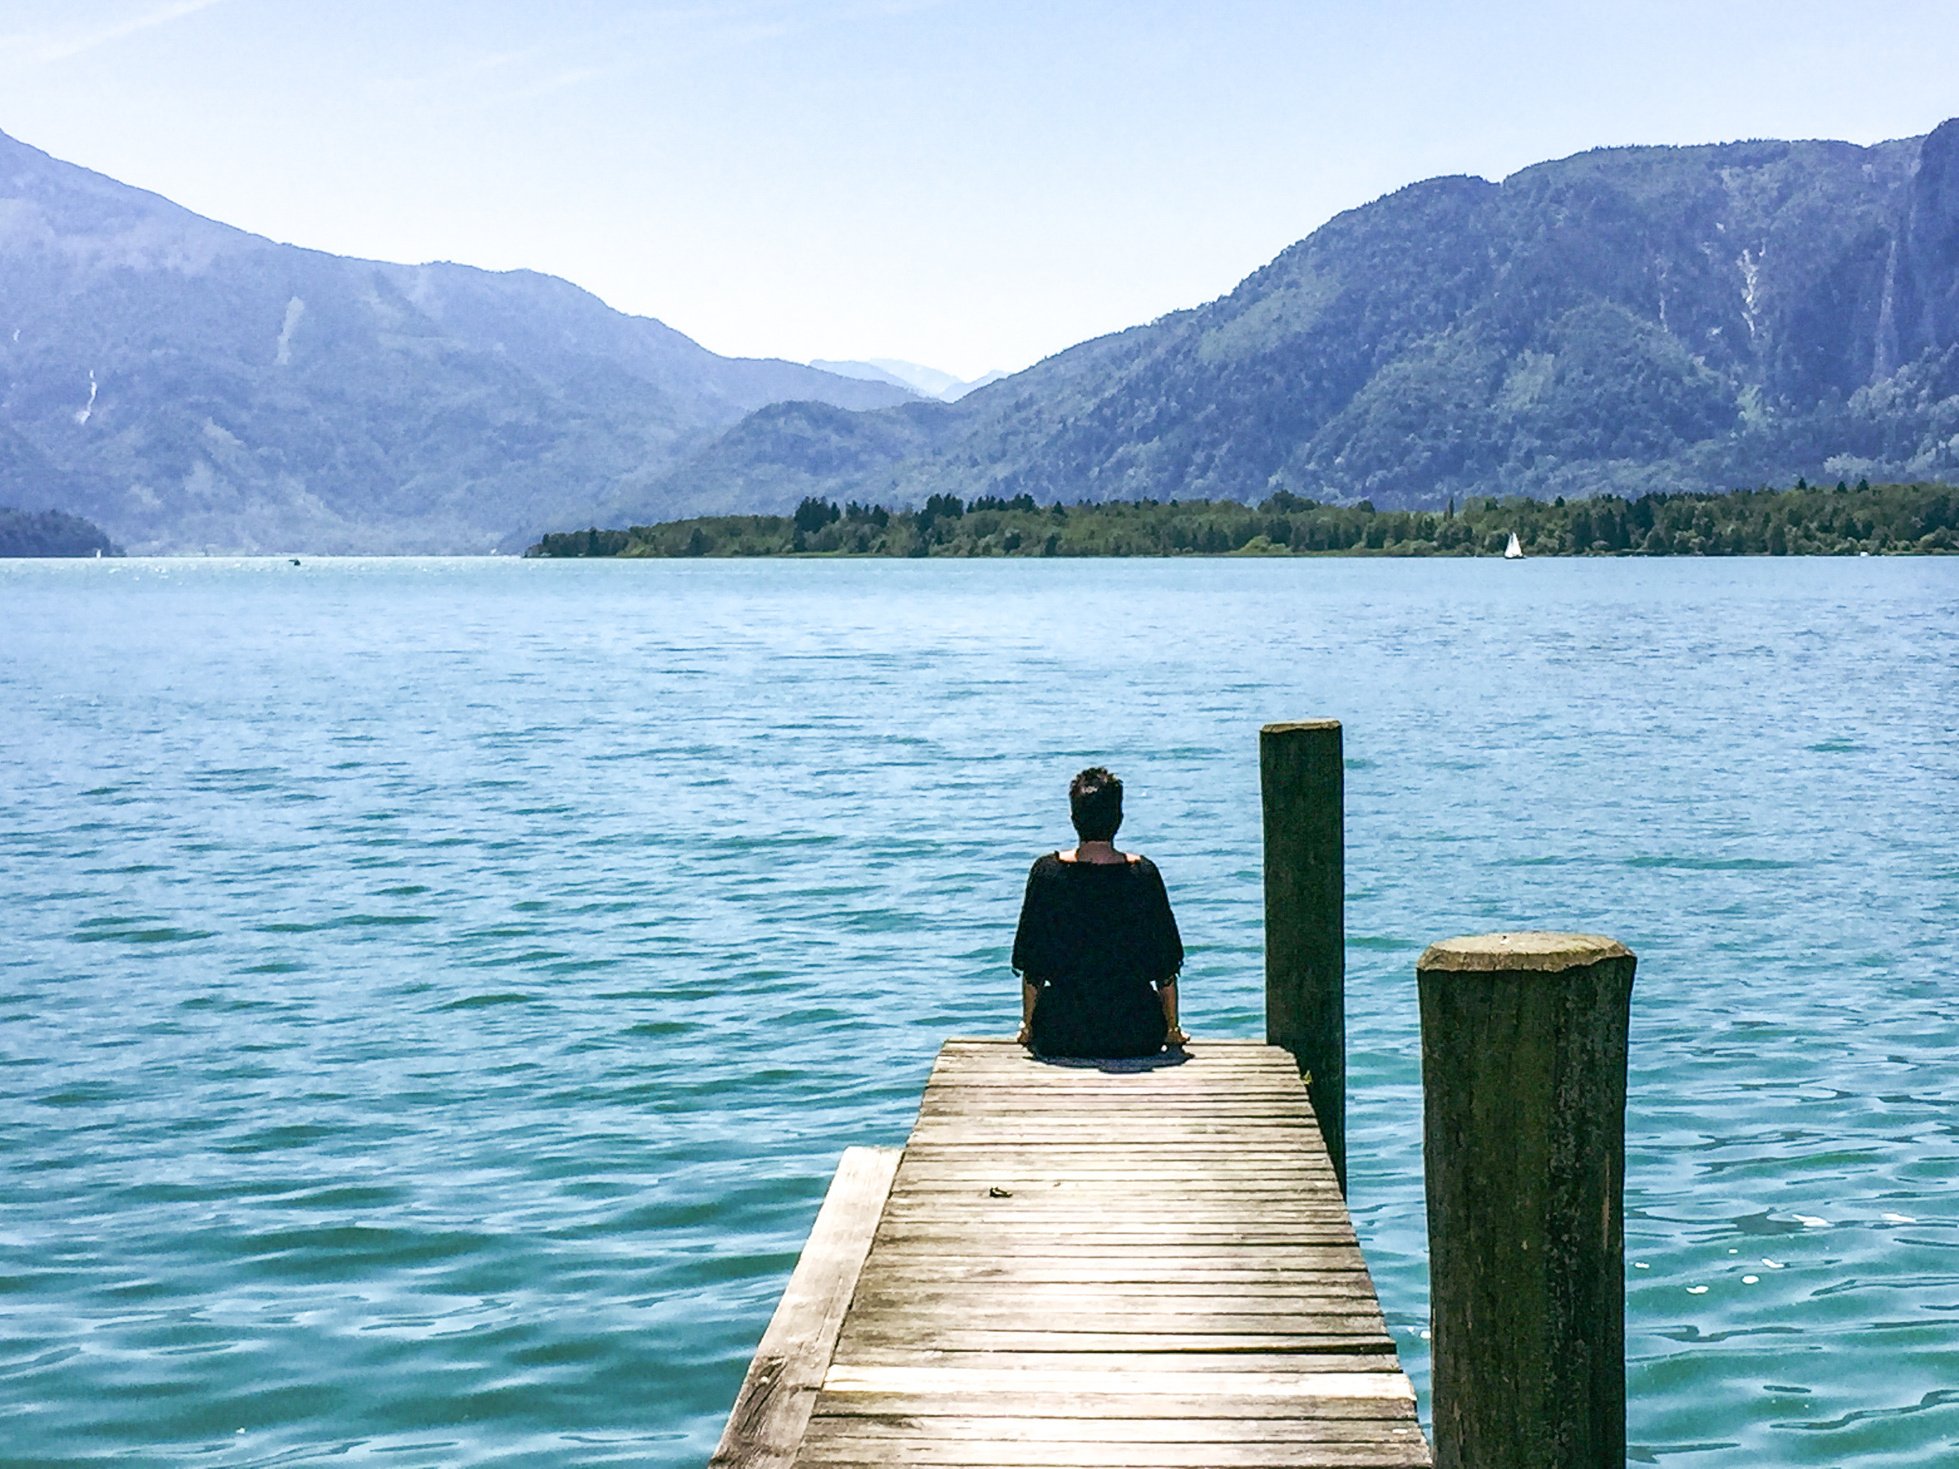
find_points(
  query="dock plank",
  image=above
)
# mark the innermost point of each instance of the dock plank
(772, 1411)
(1113, 1269)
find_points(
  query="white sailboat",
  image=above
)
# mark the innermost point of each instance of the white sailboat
(1514, 551)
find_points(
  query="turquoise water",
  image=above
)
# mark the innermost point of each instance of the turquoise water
(435, 993)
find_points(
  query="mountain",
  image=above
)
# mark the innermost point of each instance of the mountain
(189, 386)
(974, 384)
(1625, 320)
(927, 382)
(869, 372)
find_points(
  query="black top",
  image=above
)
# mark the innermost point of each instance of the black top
(1097, 938)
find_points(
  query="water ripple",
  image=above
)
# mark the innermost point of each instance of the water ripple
(437, 993)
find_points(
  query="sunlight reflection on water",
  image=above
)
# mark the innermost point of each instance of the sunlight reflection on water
(438, 991)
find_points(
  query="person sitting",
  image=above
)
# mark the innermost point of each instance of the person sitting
(1097, 948)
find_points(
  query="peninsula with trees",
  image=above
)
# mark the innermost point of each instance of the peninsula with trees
(51, 533)
(1839, 520)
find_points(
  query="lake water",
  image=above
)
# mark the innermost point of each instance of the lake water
(435, 993)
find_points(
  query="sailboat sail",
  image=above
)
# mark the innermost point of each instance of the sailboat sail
(1514, 551)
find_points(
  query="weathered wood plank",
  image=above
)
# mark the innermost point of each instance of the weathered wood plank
(1195, 1192)
(1172, 1186)
(1127, 1374)
(1063, 1127)
(1119, 1209)
(1015, 1234)
(1076, 1266)
(1199, 1427)
(962, 1339)
(1200, 1188)
(1166, 1211)
(1232, 1088)
(1065, 1151)
(1178, 1177)
(890, 1454)
(1246, 1092)
(1167, 1277)
(1068, 1149)
(1246, 1089)
(1035, 1193)
(1138, 1263)
(1213, 1060)
(947, 1328)
(1166, 1182)
(981, 1201)
(1021, 1292)
(772, 1409)
(1171, 1156)
(1342, 1254)
(1240, 1091)
(1234, 1254)
(1169, 1101)
(1167, 1224)
(1145, 1327)
(1164, 1225)
(1127, 1407)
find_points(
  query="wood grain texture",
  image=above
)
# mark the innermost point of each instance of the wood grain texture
(1044, 1371)
(1524, 1057)
(1077, 1266)
(772, 1411)
(1302, 782)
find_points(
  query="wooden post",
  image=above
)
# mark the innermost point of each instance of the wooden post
(1303, 779)
(1524, 1147)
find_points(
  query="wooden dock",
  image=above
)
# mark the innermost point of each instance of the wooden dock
(1077, 1266)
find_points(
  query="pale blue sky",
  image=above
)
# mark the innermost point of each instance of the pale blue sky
(964, 183)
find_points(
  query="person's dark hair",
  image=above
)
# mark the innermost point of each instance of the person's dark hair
(1095, 804)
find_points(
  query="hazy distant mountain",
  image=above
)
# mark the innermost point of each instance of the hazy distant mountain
(189, 386)
(868, 372)
(927, 382)
(1624, 320)
(972, 385)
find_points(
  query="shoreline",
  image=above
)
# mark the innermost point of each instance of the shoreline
(1894, 519)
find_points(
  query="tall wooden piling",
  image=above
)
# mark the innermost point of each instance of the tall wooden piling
(1303, 780)
(1524, 1103)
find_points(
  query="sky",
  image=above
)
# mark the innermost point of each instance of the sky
(968, 184)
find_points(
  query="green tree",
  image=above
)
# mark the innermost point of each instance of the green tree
(813, 514)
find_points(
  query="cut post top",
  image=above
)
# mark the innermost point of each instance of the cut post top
(1513, 953)
(1292, 726)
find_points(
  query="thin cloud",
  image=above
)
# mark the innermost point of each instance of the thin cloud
(64, 45)
(462, 72)
(663, 37)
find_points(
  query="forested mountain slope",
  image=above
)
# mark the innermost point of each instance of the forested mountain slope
(1625, 320)
(189, 386)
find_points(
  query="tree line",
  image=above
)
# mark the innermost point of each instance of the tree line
(1805, 520)
(51, 533)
